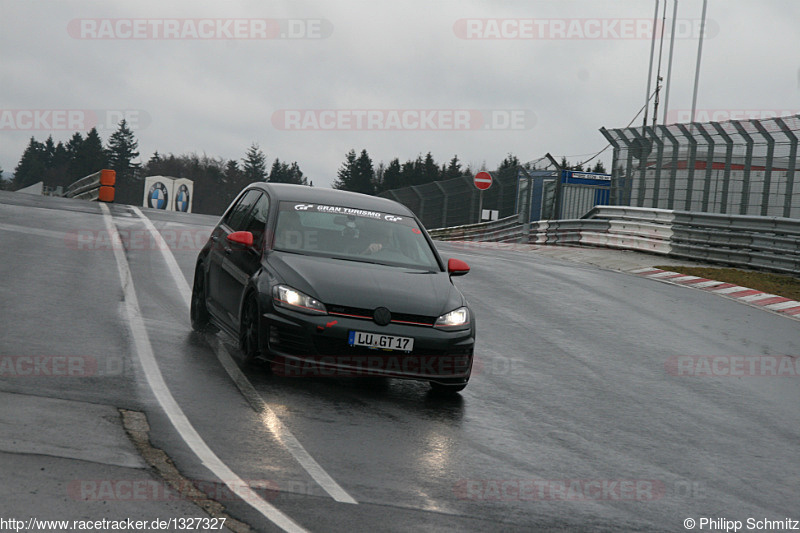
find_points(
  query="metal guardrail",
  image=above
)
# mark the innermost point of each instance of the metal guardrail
(770, 243)
(97, 186)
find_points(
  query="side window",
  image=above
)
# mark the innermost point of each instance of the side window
(256, 220)
(236, 217)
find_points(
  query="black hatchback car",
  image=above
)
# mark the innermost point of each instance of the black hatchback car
(321, 282)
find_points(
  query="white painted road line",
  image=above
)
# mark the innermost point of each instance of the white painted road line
(166, 253)
(155, 380)
(274, 424)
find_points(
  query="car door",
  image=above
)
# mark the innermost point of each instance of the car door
(221, 249)
(240, 262)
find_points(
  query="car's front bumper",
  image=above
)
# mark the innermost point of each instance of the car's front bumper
(308, 345)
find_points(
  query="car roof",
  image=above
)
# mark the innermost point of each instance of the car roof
(320, 195)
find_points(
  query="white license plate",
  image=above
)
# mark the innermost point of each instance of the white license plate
(385, 342)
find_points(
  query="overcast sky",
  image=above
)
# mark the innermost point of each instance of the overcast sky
(308, 81)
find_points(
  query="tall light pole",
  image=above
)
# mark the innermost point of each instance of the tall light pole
(699, 56)
(669, 69)
(658, 70)
(650, 69)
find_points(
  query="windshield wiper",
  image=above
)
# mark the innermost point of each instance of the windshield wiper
(353, 259)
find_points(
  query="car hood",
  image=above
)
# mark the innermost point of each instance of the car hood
(368, 286)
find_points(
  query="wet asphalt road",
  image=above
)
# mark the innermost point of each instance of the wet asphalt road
(573, 420)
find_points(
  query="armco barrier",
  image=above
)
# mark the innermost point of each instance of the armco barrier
(770, 243)
(97, 186)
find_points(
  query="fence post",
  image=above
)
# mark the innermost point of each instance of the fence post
(628, 184)
(659, 164)
(691, 163)
(644, 152)
(614, 192)
(444, 203)
(421, 213)
(709, 166)
(673, 172)
(726, 178)
(787, 203)
(767, 166)
(748, 163)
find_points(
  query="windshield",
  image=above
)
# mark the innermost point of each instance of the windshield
(352, 234)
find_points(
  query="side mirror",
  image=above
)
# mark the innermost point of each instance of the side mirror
(457, 267)
(241, 237)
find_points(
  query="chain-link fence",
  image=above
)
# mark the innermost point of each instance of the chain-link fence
(454, 202)
(745, 167)
(533, 194)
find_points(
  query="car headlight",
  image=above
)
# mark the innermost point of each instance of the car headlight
(456, 318)
(290, 298)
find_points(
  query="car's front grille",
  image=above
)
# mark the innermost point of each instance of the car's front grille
(366, 314)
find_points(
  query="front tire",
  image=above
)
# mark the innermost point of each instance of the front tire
(199, 312)
(249, 331)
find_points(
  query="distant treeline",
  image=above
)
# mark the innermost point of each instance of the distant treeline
(216, 181)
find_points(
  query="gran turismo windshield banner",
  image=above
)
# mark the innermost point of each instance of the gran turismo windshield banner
(347, 211)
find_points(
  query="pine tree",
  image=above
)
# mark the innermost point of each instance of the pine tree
(277, 174)
(122, 147)
(392, 175)
(295, 175)
(453, 169)
(344, 177)
(58, 173)
(507, 171)
(73, 148)
(90, 157)
(32, 165)
(364, 175)
(286, 173)
(511, 161)
(255, 164)
(49, 152)
(599, 168)
(430, 169)
(411, 172)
